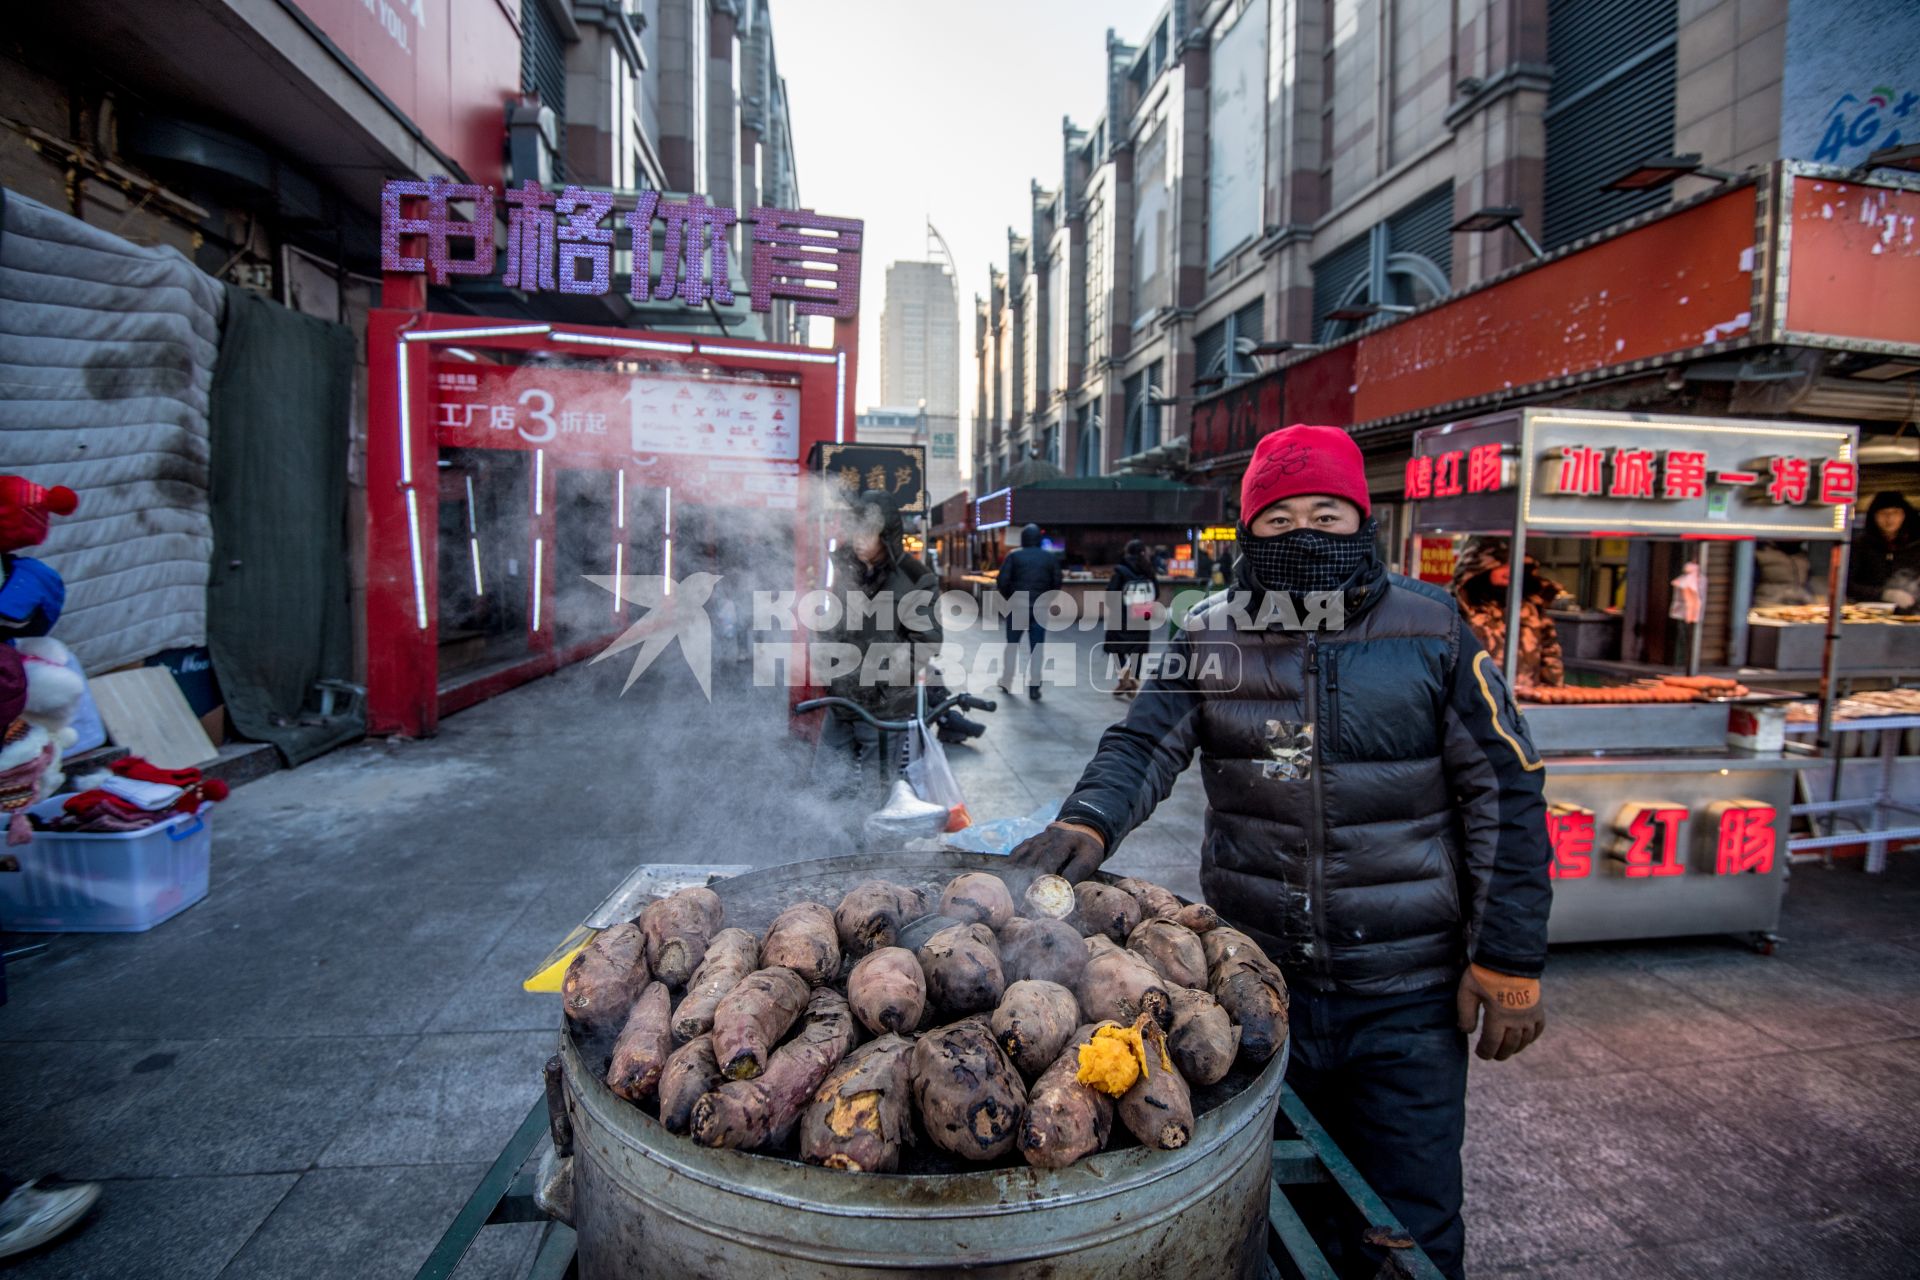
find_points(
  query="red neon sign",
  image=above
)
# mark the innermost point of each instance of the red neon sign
(1570, 831)
(1652, 838)
(1745, 841)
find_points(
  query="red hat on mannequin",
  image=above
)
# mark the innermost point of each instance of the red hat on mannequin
(25, 510)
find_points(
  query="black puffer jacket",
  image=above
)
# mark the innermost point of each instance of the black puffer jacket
(1374, 818)
(1025, 575)
(894, 623)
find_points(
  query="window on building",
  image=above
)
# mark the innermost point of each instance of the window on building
(1404, 261)
(1087, 424)
(1226, 348)
(1611, 106)
(1143, 415)
(543, 70)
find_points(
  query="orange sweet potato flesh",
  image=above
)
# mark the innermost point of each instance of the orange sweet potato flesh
(748, 1115)
(871, 914)
(677, 929)
(751, 1019)
(803, 939)
(691, 1072)
(963, 971)
(1033, 1022)
(1173, 950)
(640, 1054)
(1066, 1120)
(978, 896)
(971, 1099)
(888, 991)
(605, 979)
(1119, 986)
(731, 956)
(861, 1117)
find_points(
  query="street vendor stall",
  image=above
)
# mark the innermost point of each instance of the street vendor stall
(1659, 826)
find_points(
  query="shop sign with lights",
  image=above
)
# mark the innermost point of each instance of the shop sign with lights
(564, 242)
(1645, 841)
(1588, 472)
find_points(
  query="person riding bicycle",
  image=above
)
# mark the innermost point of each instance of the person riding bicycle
(886, 633)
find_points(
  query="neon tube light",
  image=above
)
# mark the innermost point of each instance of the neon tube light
(538, 547)
(405, 415)
(637, 344)
(749, 353)
(840, 399)
(619, 569)
(470, 526)
(539, 481)
(479, 588)
(486, 331)
(413, 547)
(620, 499)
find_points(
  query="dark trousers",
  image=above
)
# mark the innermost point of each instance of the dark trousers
(1387, 1076)
(1033, 637)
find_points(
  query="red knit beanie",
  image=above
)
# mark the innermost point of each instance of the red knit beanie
(25, 508)
(1301, 459)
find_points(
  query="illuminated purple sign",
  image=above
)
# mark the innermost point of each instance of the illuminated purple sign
(563, 243)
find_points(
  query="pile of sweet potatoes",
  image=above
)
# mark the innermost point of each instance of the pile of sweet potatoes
(979, 1022)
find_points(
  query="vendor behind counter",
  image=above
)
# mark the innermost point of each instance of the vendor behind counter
(1481, 578)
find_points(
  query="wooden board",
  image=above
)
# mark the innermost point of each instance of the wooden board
(146, 713)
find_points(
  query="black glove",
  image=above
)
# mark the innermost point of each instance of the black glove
(1065, 848)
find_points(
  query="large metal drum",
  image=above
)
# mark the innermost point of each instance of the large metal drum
(646, 1202)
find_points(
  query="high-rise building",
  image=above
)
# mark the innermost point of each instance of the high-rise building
(920, 338)
(920, 362)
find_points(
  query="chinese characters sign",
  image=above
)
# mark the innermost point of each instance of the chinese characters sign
(565, 241)
(898, 470)
(1626, 473)
(1739, 837)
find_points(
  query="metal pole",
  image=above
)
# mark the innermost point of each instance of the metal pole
(1698, 626)
(1838, 563)
(1741, 601)
(1516, 583)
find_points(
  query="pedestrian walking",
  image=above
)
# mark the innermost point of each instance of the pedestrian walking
(1133, 587)
(1025, 575)
(1375, 821)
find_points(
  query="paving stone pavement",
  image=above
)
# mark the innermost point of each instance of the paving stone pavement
(307, 1073)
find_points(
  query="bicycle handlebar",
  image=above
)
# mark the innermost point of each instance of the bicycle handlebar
(965, 700)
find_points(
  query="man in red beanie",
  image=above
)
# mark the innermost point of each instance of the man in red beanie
(1374, 821)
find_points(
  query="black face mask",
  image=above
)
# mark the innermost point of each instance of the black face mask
(1310, 559)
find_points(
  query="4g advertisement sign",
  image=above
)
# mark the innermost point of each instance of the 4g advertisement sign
(736, 437)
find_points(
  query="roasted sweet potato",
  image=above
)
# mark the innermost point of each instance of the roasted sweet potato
(1155, 901)
(606, 977)
(751, 1019)
(1103, 909)
(691, 1072)
(1249, 987)
(1158, 1110)
(1042, 951)
(872, 913)
(1066, 1120)
(1033, 1023)
(978, 896)
(1197, 916)
(1204, 1040)
(678, 928)
(888, 991)
(861, 1117)
(963, 971)
(970, 1097)
(803, 939)
(1120, 986)
(750, 1114)
(1172, 949)
(640, 1054)
(1048, 898)
(914, 934)
(731, 956)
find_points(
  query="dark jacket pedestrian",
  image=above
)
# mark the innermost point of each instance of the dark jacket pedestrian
(894, 624)
(1375, 820)
(1025, 575)
(1480, 588)
(1203, 568)
(1887, 545)
(1131, 588)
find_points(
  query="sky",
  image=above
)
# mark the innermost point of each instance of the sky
(905, 110)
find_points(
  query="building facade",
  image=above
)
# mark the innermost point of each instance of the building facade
(920, 338)
(1272, 174)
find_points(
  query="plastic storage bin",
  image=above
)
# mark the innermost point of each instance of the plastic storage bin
(106, 882)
